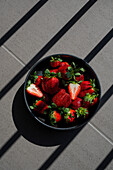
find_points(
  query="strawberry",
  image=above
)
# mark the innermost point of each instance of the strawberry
(89, 85)
(83, 93)
(34, 90)
(82, 112)
(55, 61)
(54, 71)
(66, 72)
(85, 85)
(62, 98)
(76, 103)
(64, 64)
(54, 117)
(69, 115)
(89, 100)
(50, 85)
(38, 80)
(74, 90)
(40, 107)
(79, 78)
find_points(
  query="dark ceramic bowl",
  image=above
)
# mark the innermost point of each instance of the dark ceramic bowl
(44, 63)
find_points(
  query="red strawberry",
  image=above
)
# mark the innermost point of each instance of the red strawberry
(55, 117)
(62, 99)
(69, 117)
(34, 90)
(50, 85)
(66, 72)
(85, 85)
(76, 103)
(74, 90)
(39, 106)
(82, 112)
(83, 93)
(38, 80)
(64, 64)
(55, 61)
(80, 78)
(54, 71)
(89, 100)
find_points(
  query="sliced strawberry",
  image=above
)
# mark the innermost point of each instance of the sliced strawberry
(50, 85)
(34, 90)
(39, 106)
(69, 116)
(76, 103)
(38, 80)
(62, 99)
(74, 90)
(54, 117)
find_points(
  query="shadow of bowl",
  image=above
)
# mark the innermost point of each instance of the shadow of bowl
(31, 129)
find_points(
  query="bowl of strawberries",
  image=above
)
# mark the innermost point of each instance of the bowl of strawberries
(62, 92)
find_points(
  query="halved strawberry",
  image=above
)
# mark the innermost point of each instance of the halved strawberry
(34, 90)
(74, 90)
(40, 107)
(69, 116)
(54, 117)
(76, 103)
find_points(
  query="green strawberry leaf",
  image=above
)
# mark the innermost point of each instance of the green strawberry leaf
(31, 107)
(77, 74)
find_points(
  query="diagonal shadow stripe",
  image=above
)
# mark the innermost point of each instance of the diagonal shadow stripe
(22, 21)
(106, 161)
(99, 46)
(59, 150)
(69, 24)
(9, 143)
(105, 97)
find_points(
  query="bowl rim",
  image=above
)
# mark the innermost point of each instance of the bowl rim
(47, 125)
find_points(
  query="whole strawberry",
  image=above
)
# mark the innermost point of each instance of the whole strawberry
(54, 117)
(62, 99)
(76, 103)
(85, 85)
(82, 112)
(55, 61)
(89, 100)
(40, 107)
(79, 78)
(69, 115)
(50, 85)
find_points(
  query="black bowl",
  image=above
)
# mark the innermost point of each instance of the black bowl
(43, 64)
